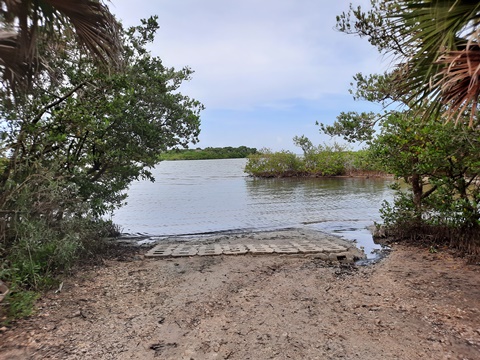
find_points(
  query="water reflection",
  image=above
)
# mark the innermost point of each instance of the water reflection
(318, 200)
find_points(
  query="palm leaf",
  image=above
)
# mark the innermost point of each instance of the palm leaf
(94, 26)
(459, 81)
(442, 37)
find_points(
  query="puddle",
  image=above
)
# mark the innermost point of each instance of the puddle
(357, 231)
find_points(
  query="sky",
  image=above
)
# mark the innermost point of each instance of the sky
(265, 70)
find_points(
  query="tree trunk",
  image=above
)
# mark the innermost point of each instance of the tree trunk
(417, 188)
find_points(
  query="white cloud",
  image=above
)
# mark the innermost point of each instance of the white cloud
(250, 53)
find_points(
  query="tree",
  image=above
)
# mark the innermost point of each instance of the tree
(93, 132)
(73, 143)
(303, 143)
(26, 24)
(427, 155)
(436, 48)
(437, 161)
(443, 59)
(322, 160)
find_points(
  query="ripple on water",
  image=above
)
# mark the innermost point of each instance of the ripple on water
(191, 197)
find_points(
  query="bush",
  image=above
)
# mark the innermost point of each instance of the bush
(322, 160)
(20, 304)
(265, 163)
(45, 232)
(326, 160)
(362, 162)
(444, 218)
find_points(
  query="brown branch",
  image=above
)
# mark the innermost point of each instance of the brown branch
(429, 192)
(81, 145)
(469, 182)
(56, 102)
(99, 174)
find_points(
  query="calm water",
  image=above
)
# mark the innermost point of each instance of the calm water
(193, 197)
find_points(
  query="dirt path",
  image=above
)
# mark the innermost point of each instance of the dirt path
(412, 305)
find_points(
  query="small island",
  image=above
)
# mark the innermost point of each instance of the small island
(325, 160)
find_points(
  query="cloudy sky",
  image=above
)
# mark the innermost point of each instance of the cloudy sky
(266, 70)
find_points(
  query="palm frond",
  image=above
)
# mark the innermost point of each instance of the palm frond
(94, 26)
(443, 41)
(459, 81)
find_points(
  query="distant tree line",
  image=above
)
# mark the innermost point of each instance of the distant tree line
(208, 153)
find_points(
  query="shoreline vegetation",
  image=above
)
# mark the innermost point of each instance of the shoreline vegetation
(437, 203)
(208, 153)
(326, 161)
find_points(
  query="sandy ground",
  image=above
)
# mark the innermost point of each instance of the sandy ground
(411, 305)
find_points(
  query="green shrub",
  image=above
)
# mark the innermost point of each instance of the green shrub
(326, 160)
(323, 160)
(20, 303)
(41, 253)
(265, 163)
(361, 161)
(444, 217)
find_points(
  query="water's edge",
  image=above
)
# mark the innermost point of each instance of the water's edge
(205, 197)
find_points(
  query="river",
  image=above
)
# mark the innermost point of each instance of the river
(207, 196)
